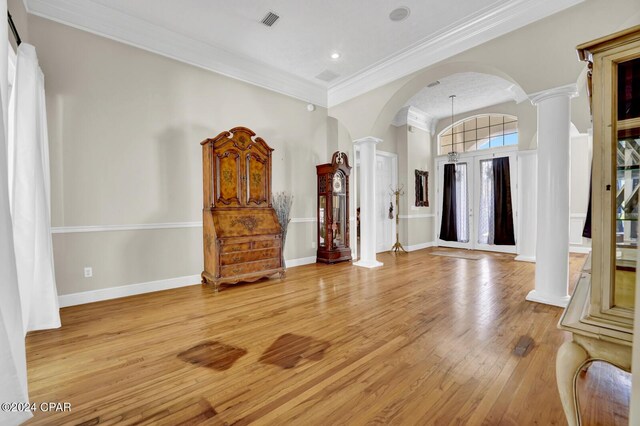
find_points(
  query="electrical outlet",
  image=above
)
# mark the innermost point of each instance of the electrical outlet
(313, 244)
(88, 272)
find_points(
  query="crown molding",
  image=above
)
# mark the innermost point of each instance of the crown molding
(475, 30)
(458, 37)
(415, 117)
(110, 23)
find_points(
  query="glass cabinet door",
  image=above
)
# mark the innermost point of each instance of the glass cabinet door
(339, 210)
(627, 182)
(322, 219)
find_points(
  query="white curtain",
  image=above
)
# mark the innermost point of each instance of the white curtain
(486, 222)
(13, 366)
(29, 184)
(462, 203)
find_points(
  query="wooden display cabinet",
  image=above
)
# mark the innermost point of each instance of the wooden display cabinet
(333, 210)
(601, 310)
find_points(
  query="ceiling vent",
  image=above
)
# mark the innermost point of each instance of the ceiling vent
(400, 14)
(327, 75)
(434, 84)
(270, 19)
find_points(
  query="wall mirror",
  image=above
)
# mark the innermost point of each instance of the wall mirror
(422, 188)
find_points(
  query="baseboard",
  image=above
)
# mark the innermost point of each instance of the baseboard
(300, 261)
(126, 290)
(420, 246)
(579, 249)
(536, 296)
(148, 287)
(525, 259)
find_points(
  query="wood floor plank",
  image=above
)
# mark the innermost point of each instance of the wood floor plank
(422, 340)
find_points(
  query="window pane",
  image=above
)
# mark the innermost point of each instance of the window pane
(445, 141)
(470, 146)
(496, 142)
(511, 127)
(459, 147)
(470, 124)
(511, 139)
(483, 121)
(458, 128)
(458, 137)
(508, 119)
(483, 133)
(469, 135)
(496, 119)
(448, 132)
(497, 130)
(482, 143)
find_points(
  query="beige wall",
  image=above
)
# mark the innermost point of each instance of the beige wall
(124, 129)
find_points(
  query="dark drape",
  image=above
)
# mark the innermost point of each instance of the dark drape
(448, 228)
(586, 231)
(503, 212)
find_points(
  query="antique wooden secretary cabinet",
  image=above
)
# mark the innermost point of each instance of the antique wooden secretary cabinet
(242, 237)
(600, 313)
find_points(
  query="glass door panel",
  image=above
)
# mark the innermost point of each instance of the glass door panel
(458, 189)
(627, 183)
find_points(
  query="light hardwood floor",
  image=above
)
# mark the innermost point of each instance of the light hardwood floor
(422, 340)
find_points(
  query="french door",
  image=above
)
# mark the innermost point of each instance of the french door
(476, 225)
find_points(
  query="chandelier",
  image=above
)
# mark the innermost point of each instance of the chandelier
(452, 155)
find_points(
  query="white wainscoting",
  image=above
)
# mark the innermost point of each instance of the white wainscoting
(578, 244)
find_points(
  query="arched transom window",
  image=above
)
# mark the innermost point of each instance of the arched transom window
(479, 132)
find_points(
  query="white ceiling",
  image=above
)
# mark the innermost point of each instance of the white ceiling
(227, 36)
(473, 91)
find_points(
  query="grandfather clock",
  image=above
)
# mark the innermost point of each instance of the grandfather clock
(333, 209)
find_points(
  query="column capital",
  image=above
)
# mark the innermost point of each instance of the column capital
(367, 140)
(569, 91)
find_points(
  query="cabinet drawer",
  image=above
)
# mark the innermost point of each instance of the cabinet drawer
(248, 256)
(260, 244)
(232, 247)
(246, 268)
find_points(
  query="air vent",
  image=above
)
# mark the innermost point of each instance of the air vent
(270, 19)
(400, 14)
(327, 75)
(434, 84)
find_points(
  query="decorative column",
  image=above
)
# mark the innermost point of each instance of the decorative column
(552, 245)
(367, 177)
(527, 199)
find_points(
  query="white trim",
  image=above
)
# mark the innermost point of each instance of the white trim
(412, 116)
(531, 259)
(466, 34)
(303, 219)
(569, 90)
(292, 263)
(109, 293)
(416, 216)
(126, 290)
(110, 23)
(421, 246)
(536, 296)
(368, 264)
(146, 226)
(579, 249)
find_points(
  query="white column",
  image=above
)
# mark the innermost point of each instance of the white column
(552, 245)
(527, 198)
(367, 177)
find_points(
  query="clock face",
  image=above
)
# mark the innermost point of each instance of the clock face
(337, 184)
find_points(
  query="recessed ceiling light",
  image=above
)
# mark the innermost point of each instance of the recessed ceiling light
(335, 55)
(400, 14)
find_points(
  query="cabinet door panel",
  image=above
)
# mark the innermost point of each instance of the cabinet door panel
(257, 180)
(228, 173)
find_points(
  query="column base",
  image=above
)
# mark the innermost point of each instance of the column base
(531, 259)
(547, 299)
(368, 263)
